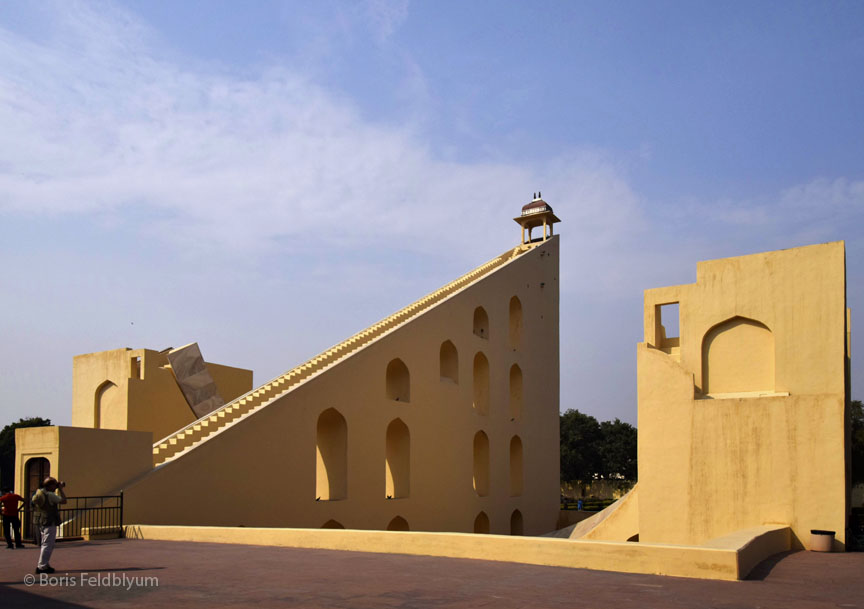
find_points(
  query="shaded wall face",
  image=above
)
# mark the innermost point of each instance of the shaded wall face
(90, 461)
(427, 469)
(745, 424)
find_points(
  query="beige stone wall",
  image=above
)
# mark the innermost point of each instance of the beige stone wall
(730, 558)
(102, 461)
(90, 461)
(742, 422)
(134, 389)
(261, 471)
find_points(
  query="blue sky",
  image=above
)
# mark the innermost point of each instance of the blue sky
(267, 178)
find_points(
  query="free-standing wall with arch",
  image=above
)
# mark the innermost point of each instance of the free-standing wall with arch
(742, 420)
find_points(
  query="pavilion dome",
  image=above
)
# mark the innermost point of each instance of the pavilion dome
(536, 206)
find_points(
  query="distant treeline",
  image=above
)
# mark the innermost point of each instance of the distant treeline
(591, 450)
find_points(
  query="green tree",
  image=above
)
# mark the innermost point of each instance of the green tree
(7, 448)
(857, 424)
(592, 450)
(617, 450)
(580, 438)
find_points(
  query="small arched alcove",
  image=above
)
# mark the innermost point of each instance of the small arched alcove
(516, 477)
(481, 323)
(516, 525)
(332, 524)
(397, 463)
(481, 463)
(331, 448)
(481, 523)
(515, 392)
(107, 406)
(481, 384)
(398, 524)
(398, 381)
(738, 357)
(515, 323)
(449, 360)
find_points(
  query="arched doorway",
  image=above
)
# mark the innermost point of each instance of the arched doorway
(35, 471)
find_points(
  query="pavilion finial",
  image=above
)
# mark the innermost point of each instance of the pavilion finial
(536, 213)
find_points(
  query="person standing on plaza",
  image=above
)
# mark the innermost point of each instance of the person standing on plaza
(11, 521)
(46, 501)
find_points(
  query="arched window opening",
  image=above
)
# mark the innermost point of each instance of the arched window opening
(331, 456)
(398, 381)
(397, 466)
(738, 357)
(516, 478)
(516, 525)
(481, 464)
(449, 362)
(107, 407)
(481, 523)
(515, 392)
(398, 524)
(332, 524)
(481, 384)
(481, 323)
(515, 323)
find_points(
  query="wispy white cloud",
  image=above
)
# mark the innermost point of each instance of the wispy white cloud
(95, 121)
(98, 122)
(821, 200)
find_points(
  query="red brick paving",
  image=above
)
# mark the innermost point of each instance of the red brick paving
(207, 575)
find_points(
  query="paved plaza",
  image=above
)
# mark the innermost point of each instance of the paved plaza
(131, 573)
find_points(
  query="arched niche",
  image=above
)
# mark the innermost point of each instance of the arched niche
(397, 463)
(332, 524)
(516, 524)
(515, 323)
(331, 448)
(481, 464)
(398, 524)
(515, 392)
(398, 381)
(481, 323)
(516, 476)
(737, 357)
(481, 523)
(107, 407)
(449, 362)
(481, 384)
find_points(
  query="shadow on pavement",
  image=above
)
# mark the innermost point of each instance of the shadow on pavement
(14, 597)
(764, 568)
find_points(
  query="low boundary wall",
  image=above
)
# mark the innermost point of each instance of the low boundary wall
(729, 558)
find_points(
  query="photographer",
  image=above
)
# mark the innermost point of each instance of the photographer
(45, 502)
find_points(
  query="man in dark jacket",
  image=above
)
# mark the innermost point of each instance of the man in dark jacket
(46, 501)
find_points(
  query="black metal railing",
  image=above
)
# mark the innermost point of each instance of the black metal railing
(102, 514)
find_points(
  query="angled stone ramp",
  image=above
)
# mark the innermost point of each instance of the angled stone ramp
(183, 440)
